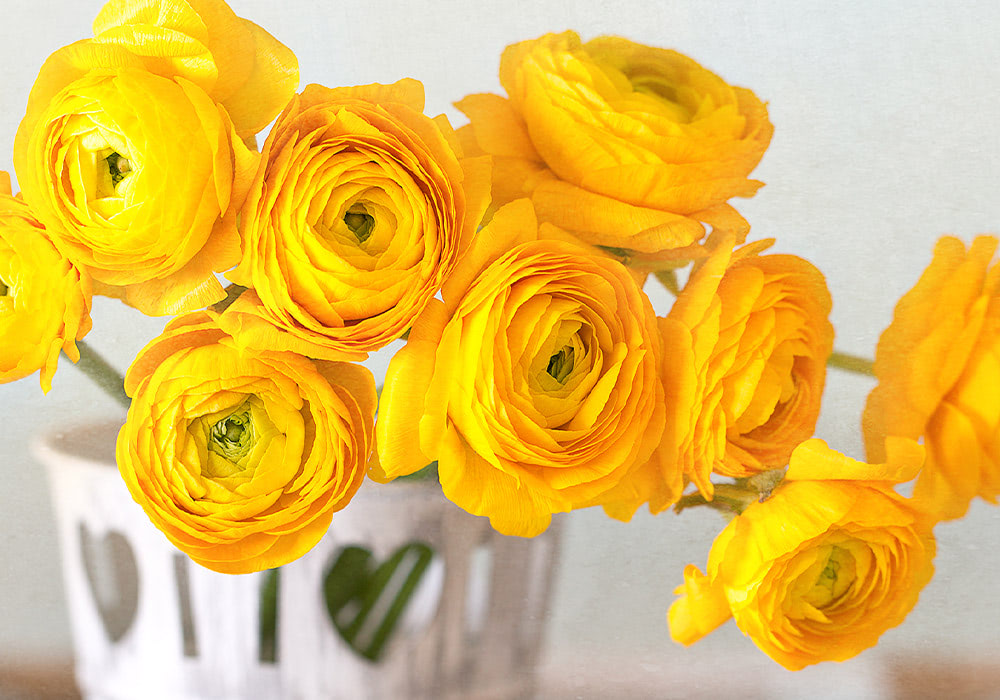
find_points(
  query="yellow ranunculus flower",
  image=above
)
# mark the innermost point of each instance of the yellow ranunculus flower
(533, 384)
(241, 457)
(822, 568)
(938, 366)
(138, 179)
(238, 64)
(44, 299)
(627, 146)
(358, 213)
(744, 364)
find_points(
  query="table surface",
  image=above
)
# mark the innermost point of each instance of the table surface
(913, 680)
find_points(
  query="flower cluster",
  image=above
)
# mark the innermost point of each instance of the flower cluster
(510, 255)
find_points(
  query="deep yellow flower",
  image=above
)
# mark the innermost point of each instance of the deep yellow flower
(238, 64)
(241, 457)
(138, 179)
(744, 364)
(822, 568)
(533, 384)
(627, 146)
(358, 212)
(44, 299)
(938, 366)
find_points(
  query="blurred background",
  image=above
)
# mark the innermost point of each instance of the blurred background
(885, 138)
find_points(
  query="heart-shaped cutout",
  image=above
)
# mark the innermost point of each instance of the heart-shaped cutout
(113, 576)
(365, 602)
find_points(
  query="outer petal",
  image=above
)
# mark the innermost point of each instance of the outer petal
(700, 609)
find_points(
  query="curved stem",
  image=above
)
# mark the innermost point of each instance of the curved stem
(851, 363)
(103, 374)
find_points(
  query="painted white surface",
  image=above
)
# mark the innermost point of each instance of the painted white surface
(885, 138)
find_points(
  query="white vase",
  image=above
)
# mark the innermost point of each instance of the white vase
(149, 623)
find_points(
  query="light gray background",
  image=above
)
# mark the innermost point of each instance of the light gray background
(886, 137)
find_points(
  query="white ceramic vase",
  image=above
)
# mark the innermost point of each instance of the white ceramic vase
(149, 623)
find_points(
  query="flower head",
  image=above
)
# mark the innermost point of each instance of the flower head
(822, 568)
(44, 298)
(533, 384)
(241, 457)
(744, 363)
(138, 179)
(359, 211)
(938, 364)
(624, 145)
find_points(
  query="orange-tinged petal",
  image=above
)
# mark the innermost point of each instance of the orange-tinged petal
(934, 364)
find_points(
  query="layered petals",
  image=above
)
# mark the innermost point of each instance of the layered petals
(44, 298)
(627, 146)
(235, 62)
(358, 213)
(938, 364)
(533, 383)
(241, 456)
(745, 351)
(822, 568)
(138, 178)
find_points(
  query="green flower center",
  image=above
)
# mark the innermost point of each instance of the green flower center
(4, 289)
(834, 580)
(233, 436)
(359, 221)
(561, 364)
(118, 167)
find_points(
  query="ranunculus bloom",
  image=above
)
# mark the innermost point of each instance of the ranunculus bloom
(238, 64)
(138, 179)
(241, 457)
(818, 571)
(44, 299)
(744, 363)
(533, 384)
(938, 366)
(627, 146)
(359, 211)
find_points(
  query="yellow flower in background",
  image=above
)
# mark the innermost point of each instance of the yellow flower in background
(138, 179)
(822, 568)
(44, 299)
(744, 364)
(241, 457)
(938, 367)
(626, 146)
(238, 64)
(358, 213)
(533, 384)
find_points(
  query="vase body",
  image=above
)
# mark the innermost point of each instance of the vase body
(150, 623)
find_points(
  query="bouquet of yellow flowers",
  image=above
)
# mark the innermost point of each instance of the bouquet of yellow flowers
(168, 161)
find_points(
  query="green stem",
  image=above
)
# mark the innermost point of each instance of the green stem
(668, 278)
(233, 291)
(102, 374)
(851, 363)
(728, 498)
